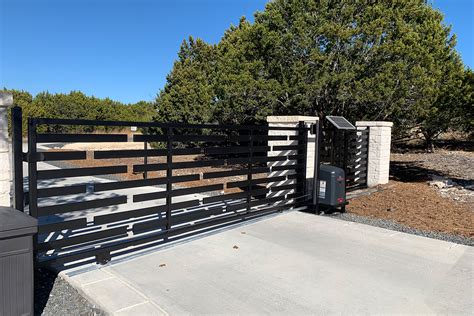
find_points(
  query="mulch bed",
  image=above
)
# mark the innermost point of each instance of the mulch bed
(416, 205)
(410, 201)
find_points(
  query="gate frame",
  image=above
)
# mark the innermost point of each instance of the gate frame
(32, 157)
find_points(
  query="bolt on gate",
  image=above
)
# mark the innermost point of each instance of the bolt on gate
(171, 181)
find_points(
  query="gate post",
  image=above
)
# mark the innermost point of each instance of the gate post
(378, 161)
(6, 100)
(17, 148)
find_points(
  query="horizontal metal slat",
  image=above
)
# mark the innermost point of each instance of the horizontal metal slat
(299, 176)
(224, 197)
(255, 159)
(185, 204)
(80, 172)
(186, 151)
(70, 225)
(79, 206)
(121, 216)
(149, 225)
(179, 165)
(287, 167)
(293, 186)
(298, 196)
(60, 191)
(80, 138)
(199, 138)
(238, 184)
(149, 196)
(84, 238)
(197, 164)
(150, 167)
(98, 187)
(220, 174)
(353, 176)
(254, 203)
(200, 189)
(234, 150)
(108, 186)
(59, 155)
(129, 153)
(197, 215)
(150, 138)
(298, 137)
(257, 137)
(289, 147)
(354, 169)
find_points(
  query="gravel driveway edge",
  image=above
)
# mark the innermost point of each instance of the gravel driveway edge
(392, 225)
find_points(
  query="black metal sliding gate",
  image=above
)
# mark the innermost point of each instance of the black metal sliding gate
(170, 181)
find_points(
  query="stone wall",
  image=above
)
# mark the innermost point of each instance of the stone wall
(378, 164)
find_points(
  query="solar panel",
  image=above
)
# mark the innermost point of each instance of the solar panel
(340, 122)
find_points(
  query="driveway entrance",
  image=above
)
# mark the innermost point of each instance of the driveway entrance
(291, 263)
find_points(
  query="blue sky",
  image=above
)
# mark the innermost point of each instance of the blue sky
(123, 49)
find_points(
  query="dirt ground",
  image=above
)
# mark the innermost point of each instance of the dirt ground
(410, 200)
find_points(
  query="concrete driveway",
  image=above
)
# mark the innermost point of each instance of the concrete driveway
(293, 263)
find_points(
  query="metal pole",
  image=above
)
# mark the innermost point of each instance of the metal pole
(32, 169)
(145, 159)
(303, 140)
(17, 145)
(169, 175)
(317, 162)
(249, 172)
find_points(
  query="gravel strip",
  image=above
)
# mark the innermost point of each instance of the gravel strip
(54, 296)
(392, 225)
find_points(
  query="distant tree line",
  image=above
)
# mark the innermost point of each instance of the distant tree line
(365, 60)
(77, 105)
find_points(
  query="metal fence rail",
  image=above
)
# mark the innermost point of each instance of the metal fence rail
(349, 151)
(83, 219)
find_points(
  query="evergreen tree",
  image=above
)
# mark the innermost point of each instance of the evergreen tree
(366, 60)
(188, 93)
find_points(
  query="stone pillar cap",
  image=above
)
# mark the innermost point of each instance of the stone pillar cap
(6, 99)
(291, 118)
(374, 124)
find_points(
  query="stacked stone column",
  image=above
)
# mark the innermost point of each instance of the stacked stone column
(378, 165)
(6, 100)
(291, 121)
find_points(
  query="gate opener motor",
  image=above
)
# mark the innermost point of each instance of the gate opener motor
(332, 189)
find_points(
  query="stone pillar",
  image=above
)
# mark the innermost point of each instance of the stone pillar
(378, 164)
(292, 121)
(6, 100)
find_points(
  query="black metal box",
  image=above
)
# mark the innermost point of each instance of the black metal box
(332, 186)
(16, 262)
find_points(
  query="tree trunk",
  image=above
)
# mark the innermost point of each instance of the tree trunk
(429, 142)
